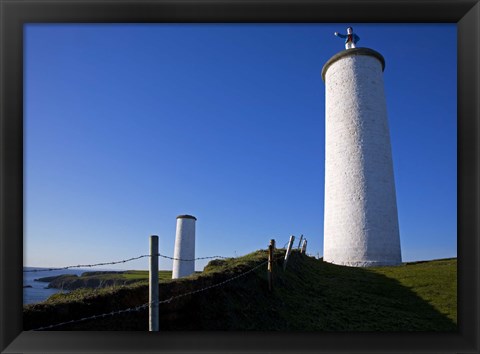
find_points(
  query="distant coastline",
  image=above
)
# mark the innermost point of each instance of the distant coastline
(39, 286)
(35, 291)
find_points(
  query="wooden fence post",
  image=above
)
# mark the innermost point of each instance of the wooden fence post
(289, 249)
(300, 242)
(304, 247)
(153, 285)
(270, 264)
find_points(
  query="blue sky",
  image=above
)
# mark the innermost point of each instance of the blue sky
(129, 125)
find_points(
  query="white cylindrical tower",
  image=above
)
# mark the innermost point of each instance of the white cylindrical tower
(361, 219)
(184, 251)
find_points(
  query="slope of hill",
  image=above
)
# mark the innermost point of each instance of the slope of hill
(311, 295)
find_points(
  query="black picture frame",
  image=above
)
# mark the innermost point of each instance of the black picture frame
(14, 14)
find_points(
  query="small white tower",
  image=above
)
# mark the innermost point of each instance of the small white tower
(361, 219)
(184, 247)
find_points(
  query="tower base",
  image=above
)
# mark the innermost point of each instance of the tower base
(364, 263)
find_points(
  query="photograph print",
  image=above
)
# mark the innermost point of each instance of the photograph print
(240, 177)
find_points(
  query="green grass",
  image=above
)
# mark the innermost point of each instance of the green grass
(413, 297)
(80, 295)
(311, 295)
(435, 282)
(143, 275)
(230, 266)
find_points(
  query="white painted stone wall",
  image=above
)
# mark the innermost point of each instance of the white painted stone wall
(361, 220)
(184, 247)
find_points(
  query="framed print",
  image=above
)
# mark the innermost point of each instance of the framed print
(123, 134)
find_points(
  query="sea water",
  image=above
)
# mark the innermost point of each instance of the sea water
(39, 291)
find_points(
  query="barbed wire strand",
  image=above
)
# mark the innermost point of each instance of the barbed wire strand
(103, 315)
(118, 262)
(215, 285)
(125, 261)
(193, 259)
(148, 304)
(84, 265)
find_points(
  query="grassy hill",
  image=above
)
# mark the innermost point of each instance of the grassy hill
(311, 295)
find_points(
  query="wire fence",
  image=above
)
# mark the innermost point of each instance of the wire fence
(148, 304)
(126, 261)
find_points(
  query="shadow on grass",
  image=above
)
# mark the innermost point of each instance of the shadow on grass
(337, 298)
